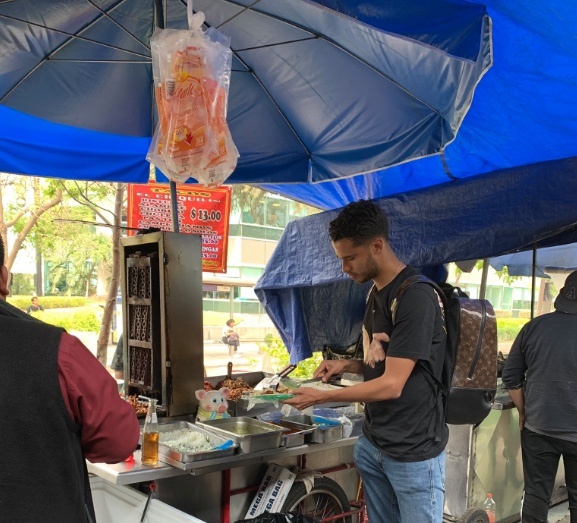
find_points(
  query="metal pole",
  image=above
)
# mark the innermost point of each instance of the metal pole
(533, 280)
(484, 275)
(160, 22)
(174, 207)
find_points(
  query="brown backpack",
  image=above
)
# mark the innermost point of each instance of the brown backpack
(468, 382)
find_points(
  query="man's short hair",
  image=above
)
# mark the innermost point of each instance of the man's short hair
(2, 251)
(360, 222)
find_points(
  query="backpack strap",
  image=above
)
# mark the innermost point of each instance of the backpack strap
(440, 389)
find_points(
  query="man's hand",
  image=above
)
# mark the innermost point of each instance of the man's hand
(306, 397)
(328, 368)
(521, 421)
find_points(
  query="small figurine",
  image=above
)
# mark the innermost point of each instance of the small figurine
(212, 404)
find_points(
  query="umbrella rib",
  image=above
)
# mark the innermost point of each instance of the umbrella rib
(275, 44)
(281, 112)
(331, 42)
(46, 58)
(122, 28)
(249, 70)
(101, 61)
(72, 35)
(246, 8)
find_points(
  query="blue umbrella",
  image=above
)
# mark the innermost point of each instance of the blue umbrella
(319, 91)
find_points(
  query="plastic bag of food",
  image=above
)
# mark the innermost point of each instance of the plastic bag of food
(191, 71)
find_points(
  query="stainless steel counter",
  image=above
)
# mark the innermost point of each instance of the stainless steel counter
(125, 473)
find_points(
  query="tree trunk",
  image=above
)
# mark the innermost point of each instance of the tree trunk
(38, 276)
(31, 222)
(104, 335)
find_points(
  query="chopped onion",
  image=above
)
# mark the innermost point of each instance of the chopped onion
(185, 441)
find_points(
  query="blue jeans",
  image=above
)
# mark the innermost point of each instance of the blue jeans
(398, 491)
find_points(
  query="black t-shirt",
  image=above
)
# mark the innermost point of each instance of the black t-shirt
(405, 428)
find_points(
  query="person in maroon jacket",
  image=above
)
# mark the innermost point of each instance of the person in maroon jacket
(59, 407)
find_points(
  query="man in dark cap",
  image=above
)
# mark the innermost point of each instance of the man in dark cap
(541, 376)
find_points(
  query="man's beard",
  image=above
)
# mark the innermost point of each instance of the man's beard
(370, 273)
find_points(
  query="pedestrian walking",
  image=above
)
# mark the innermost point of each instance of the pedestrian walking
(541, 376)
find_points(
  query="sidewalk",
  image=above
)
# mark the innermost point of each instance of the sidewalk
(216, 358)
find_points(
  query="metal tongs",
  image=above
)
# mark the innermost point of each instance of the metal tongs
(272, 382)
(334, 377)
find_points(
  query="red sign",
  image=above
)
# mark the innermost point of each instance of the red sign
(200, 211)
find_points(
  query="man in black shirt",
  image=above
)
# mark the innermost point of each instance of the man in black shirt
(401, 457)
(541, 376)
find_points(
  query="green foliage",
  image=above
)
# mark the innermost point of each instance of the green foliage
(49, 302)
(505, 277)
(275, 348)
(22, 284)
(73, 250)
(508, 328)
(85, 321)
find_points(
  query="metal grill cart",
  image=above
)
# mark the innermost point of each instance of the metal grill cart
(221, 490)
(486, 459)
(162, 314)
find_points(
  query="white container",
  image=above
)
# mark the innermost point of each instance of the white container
(119, 504)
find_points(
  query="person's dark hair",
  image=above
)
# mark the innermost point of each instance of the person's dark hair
(360, 222)
(230, 321)
(2, 251)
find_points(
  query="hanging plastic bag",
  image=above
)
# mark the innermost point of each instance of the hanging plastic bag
(191, 71)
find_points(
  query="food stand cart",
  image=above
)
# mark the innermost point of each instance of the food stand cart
(221, 490)
(480, 459)
(162, 311)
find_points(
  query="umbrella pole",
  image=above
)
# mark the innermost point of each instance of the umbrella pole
(174, 207)
(484, 276)
(533, 280)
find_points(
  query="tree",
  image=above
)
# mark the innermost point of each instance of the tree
(92, 195)
(31, 198)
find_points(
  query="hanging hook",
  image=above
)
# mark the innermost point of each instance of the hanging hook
(195, 20)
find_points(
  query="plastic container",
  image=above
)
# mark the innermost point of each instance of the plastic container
(250, 434)
(490, 507)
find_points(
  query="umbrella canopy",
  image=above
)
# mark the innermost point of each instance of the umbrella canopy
(558, 258)
(319, 90)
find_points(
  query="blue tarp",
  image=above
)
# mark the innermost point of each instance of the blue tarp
(313, 304)
(557, 258)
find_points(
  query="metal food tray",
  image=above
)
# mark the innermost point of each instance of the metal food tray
(165, 451)
(332, 431)
(298, 432)
(251, 434)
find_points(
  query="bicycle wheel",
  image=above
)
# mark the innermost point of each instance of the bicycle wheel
(325, 499)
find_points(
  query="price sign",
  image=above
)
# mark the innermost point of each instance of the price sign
(200, 211)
